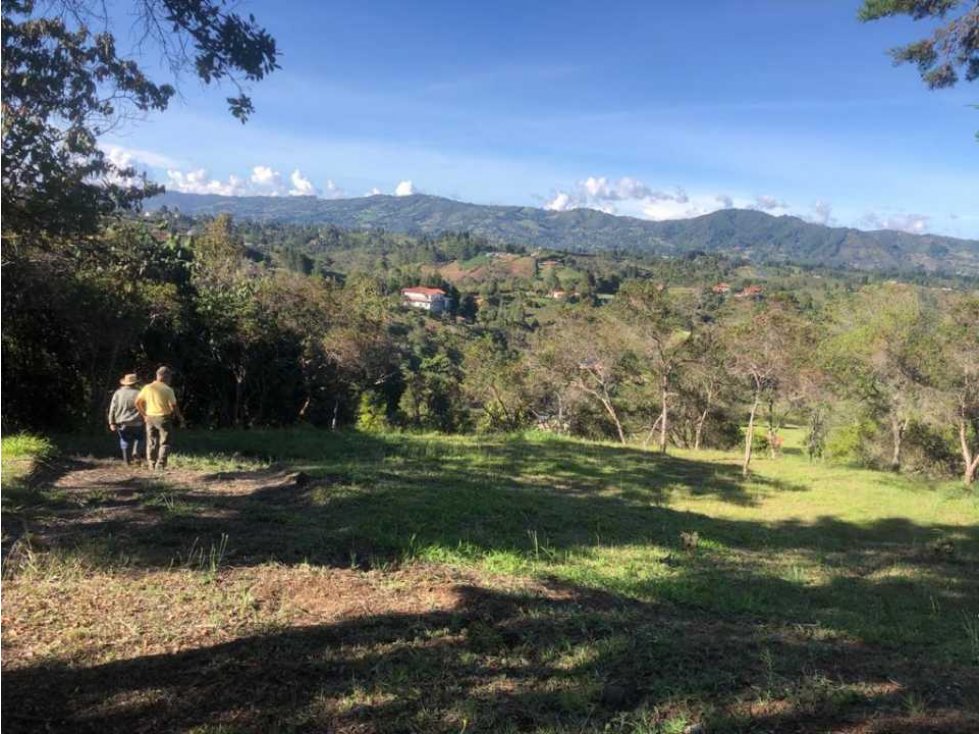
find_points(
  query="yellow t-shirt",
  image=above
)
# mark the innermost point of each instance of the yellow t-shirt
(159, 398)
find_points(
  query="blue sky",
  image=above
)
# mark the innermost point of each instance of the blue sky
(650, 109)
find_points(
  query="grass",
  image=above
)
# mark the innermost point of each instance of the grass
(20, 453)
(409, 582)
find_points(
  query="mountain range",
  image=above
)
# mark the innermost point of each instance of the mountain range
(753, 234)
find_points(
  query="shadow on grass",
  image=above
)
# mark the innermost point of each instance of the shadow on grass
(561, 659)
(728, 628)
(383, 498)
(533, 507)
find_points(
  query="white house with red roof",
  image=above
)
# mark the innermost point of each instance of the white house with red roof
(430, 299)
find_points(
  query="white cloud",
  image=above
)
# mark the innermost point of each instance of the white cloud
(768, 203)
(199, 182)
(608, 195)
(822, 213)
(262, 181)
(724, 200)
(683, 207)
(374, 192)
(635, 198)
(560, 203)
(301, 186)
(404, 188)
(265, 176)
(912, 223)
(123, 157)
(332, 191)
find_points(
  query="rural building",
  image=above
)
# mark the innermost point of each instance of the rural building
(722, 288)
(430, 299)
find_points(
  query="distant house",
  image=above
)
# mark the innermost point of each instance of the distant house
(559, 295)
(721, 288)
(751, 291)
(430, 299)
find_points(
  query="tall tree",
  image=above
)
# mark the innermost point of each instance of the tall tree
(664, 325)
(881, 345)
(763, 348)
(959, 368)
(64, 85)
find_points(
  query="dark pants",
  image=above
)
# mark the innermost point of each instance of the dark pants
(129, 439)
(158, 431)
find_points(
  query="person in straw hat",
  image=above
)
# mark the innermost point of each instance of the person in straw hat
(125, 420)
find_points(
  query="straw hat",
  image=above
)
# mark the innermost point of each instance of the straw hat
(129, 379)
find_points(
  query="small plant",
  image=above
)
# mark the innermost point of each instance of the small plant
(915, 704)
(540, 546)
(971, 626)
(209, 561)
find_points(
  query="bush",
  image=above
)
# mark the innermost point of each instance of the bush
(853, 443)
(372, 413)
(25, 446)
(930, 450)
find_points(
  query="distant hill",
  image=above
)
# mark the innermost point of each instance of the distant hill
(751, 233)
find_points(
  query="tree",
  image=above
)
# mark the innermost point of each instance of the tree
(664, 328)
(881, 345)
(763, 343)
(587, 357)
(494, 383)
(64, 86)
(707, 374)
(952, 45)
(960, 379)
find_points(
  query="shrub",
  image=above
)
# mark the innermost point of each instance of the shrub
(372, 413)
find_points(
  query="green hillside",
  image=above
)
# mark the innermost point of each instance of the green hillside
(752, 233)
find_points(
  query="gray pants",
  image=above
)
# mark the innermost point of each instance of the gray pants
(159, 428)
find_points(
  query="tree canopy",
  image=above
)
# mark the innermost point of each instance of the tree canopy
(952, 48)
(65, 84)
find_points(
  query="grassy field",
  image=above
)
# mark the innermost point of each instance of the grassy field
(309, 581)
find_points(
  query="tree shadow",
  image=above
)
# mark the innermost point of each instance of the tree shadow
(557, 658)
(376, 502)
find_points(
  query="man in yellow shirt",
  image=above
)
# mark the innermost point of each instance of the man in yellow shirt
(158, 405)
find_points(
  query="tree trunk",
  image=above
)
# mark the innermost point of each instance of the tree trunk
(898, 427)
(699, 430)
(662, 425)
(605, 399)
(970, 461)
(750, 435)
(615, 419)
(239, 394)
(772, 431)
(336, 410)
(652, 431)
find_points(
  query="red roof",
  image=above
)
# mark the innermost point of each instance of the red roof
(421, 291)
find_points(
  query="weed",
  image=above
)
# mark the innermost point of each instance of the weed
(209, 561)
(915, 704)
(970, 624)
